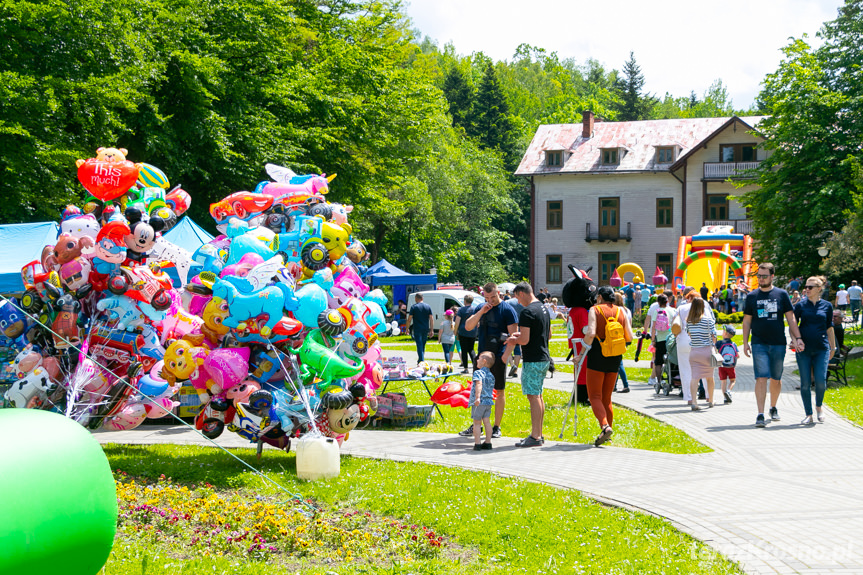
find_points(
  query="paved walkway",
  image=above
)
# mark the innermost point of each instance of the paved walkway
(782, 499)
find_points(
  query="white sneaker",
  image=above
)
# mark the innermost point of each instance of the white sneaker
(651, 381)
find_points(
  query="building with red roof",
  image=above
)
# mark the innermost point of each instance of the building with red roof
(607, 193)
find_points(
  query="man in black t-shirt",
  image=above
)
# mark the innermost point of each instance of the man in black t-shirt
(495, 322)
(764, 314)
(420, 316)
(534, 329)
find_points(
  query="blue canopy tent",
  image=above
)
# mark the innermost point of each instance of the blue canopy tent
(20, 244)
(188, 235)
(385, 273)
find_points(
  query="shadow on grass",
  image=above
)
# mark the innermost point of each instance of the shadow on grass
(194, 464)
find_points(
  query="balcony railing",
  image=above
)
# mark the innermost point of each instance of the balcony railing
(597, 237)
(740, 226)
(728, 170)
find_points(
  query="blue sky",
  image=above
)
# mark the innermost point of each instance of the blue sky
(680, 45)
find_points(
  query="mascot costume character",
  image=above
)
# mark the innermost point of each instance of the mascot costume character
(578, 296)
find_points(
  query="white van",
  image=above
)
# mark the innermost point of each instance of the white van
(443, 299)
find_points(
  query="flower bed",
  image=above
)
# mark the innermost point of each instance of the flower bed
(199, 520)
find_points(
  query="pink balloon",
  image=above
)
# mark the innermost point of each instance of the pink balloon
(227, 367)
(129, 417)
(179, 323)
(91, 378)
(160, 407)
(372, 377)
(242, 267)
(240, 393)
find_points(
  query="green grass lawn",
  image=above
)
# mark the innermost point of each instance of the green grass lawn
(487, 524)
(630, 428)
(848, 401)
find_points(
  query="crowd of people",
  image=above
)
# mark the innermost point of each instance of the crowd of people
(516, 327)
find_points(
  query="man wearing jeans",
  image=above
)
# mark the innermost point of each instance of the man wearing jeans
(763, 315)
(855, 298)
(420, 316)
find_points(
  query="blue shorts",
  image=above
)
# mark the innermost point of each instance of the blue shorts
(533, 376)
(480, 412)
(767, 360)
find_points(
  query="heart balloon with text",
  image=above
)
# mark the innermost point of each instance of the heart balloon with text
(107, 180)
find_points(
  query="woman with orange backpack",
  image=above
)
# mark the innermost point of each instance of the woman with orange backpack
(608, 332)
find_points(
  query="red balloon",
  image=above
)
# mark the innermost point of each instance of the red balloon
(459, 400)
(107, 180)
(447, 390)
(452, 393)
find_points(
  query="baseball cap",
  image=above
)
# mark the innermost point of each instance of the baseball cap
(448, 312)
(841, 286)
(730, 329)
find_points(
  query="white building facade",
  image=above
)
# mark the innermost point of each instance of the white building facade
(609, 193)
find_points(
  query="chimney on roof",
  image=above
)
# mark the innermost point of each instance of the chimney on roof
(587, 124)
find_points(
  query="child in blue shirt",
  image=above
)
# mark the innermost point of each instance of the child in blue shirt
(482, 400)
(729, 352)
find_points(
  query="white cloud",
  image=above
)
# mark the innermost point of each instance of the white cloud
(680, 45)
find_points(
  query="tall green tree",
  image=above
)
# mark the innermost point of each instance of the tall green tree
(814, 132)
(634, 103)
(490, 120)
(459, 95)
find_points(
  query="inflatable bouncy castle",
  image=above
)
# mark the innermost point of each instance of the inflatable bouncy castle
(715, 256)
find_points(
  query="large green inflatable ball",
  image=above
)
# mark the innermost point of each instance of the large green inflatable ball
(58, 502)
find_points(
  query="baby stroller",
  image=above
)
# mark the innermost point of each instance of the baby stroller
(669, 377)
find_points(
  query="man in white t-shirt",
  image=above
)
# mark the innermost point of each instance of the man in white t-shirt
(842, 298)
(684, 344)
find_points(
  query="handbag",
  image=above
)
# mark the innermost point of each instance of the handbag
(716, 359)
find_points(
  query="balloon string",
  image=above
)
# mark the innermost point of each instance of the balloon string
(294, 496)
(301, 390)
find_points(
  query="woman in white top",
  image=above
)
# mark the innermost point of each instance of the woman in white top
(678, 328)
(701, 328)
(446, 335)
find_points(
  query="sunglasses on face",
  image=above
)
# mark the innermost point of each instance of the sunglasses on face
(764, 277)
(811, 287)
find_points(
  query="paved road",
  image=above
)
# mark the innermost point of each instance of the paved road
(782, 499)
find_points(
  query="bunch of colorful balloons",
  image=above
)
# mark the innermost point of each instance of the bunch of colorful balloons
(270, 322)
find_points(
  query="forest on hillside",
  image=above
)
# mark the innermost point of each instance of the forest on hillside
(424, 140)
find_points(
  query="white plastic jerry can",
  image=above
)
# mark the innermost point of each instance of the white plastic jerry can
(317, 457)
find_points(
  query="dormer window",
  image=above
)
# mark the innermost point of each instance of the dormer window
(664, 154)
(554, 158)
(610, 156)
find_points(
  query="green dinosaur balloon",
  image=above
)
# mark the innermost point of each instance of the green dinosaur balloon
(319, 360)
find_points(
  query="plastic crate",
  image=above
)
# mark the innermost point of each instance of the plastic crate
(399, 404)
(415, 416)
(385, 407)
(190, 403)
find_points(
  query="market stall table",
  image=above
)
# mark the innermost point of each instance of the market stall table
(441, 376)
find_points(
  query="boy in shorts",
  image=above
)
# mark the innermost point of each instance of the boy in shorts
(729, 352)
(482, 400)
